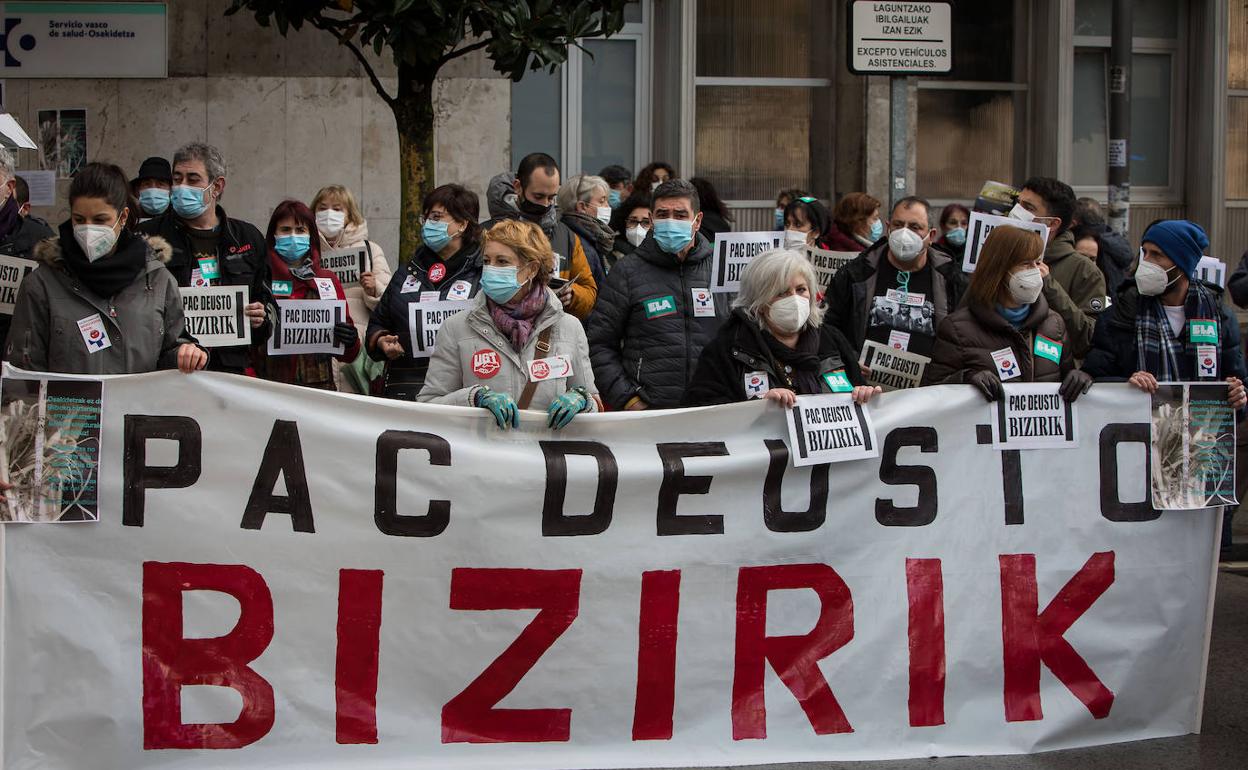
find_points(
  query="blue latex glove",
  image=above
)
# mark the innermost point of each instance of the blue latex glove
(563, 409)
(501, 405)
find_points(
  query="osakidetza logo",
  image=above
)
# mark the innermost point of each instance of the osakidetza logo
(24, 42)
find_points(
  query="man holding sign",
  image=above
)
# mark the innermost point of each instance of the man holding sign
(898, 291)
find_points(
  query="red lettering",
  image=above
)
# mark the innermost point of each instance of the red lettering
(359, 641)
(656, 655)
(795, 658)
(925, 589)
(1029, 638)
(470, 717)
(171, 662)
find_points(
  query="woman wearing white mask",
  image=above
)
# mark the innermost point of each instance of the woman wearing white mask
(775, 346)
(632, 221)
(342, 226)
(1005, 331)
(584, 207)
(89, 308)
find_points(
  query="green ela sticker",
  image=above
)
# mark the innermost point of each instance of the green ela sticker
(660, 306)
(1047, 348)
(208, 268)
(838, 381)
(1202, 331)
(282, 288)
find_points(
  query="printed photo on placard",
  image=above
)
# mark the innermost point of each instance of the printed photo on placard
(1193, 447)
(50, 449)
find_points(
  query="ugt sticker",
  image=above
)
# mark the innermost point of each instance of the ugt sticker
(486, 363)
(553, 368)
(1201, 331)
(838, 381)
(1047, 349)
(660, 306)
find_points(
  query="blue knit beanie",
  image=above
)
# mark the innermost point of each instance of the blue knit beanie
(1182, 241)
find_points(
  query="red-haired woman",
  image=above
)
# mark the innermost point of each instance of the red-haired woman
(294, 251)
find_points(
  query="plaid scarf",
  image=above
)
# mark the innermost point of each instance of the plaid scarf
(1157, 349)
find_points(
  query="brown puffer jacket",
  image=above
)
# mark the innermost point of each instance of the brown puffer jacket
(966, 340)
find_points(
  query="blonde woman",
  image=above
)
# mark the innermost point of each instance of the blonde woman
(515, 347)
(342, 226)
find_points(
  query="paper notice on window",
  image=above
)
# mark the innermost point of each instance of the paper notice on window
(424, 319)
(1034, 416)
(981, 225)
(13, 270)
(306, 326)
(215, 317)
(1193, 447)
(733, 251)
(892, 368)
(830, 428)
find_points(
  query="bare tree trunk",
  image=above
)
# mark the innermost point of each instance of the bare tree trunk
(413, 117)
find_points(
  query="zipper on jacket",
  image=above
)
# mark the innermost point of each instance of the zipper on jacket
(684, 296)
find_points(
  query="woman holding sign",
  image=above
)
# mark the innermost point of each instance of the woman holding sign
(514, 347)
(774, 345)
(1005, 330)
(293, 245)
(344, 231)
(102, 302)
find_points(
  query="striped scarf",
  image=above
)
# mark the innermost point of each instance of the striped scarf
(1157, 348)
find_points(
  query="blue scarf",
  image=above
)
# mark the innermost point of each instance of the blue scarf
(1015, 316)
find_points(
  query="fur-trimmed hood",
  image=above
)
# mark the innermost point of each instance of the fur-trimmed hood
(48, 251)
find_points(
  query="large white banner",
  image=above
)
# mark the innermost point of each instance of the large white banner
(287, 577)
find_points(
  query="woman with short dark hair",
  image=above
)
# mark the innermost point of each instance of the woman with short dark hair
(807, 222)
(856, 223)
(953, 222)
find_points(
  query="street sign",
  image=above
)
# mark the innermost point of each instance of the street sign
(900, 38)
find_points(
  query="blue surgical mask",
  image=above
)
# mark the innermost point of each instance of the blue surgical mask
(877, 230)
(613, 199)
(957, 236)
(673, 235)
(499, 283)
(779, 219)
(291, 248)
(188, 202)
(435, 234)
(154, 201)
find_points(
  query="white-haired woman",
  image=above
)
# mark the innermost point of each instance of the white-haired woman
(585, 209)
(774, 345)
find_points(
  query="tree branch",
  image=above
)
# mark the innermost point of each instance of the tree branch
(332, 29)
(465, 50)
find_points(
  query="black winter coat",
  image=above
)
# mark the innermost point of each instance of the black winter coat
(21, 243)
(739, 349)
(405, 375)
(1237, 284)
(1114, 260)
(243, 261)
(644, 339)
(1114, 355)
(848, 295)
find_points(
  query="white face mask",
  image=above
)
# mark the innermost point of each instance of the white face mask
(794, 238)
(330, 222)
(905, 244)
(1025, 285)
(636, 235)
(1152, 280)
(790, 314)
(604, 214)
(1021, 214)
(96, 240)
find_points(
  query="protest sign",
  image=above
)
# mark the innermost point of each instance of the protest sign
(983, 224)
(826, 263)
(830, 428)
(733, 251)
(995, 198)
(214, 315)
(13, 270)
(1193, 447)
(425, 318)
(892, 368)
(636, 590)
(1212, 270)
(49, 449)
(347, 264)
(306, 326)
(1033, 416)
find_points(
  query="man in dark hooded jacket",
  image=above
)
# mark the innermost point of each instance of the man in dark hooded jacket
(18, 234)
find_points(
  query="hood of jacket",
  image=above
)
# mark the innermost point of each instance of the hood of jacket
(1060, 248)
(500, 200)
(159, 252)
(649, 251)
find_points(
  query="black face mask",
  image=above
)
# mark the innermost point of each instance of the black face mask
(531, 210)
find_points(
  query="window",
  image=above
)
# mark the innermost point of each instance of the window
(593, 111)
(967, 121)
(1237, 103)
(763, 98)
(1156, 100)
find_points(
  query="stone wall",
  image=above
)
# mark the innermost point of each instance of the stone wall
(290, 114)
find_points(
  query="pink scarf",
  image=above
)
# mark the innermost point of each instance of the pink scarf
(516, 321)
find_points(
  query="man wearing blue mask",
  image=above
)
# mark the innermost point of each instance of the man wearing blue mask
(152, 186)
(656, 311)
(210, 248)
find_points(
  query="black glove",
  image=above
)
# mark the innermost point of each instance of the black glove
(1075, 384)
(988, 383)
(345, 334)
